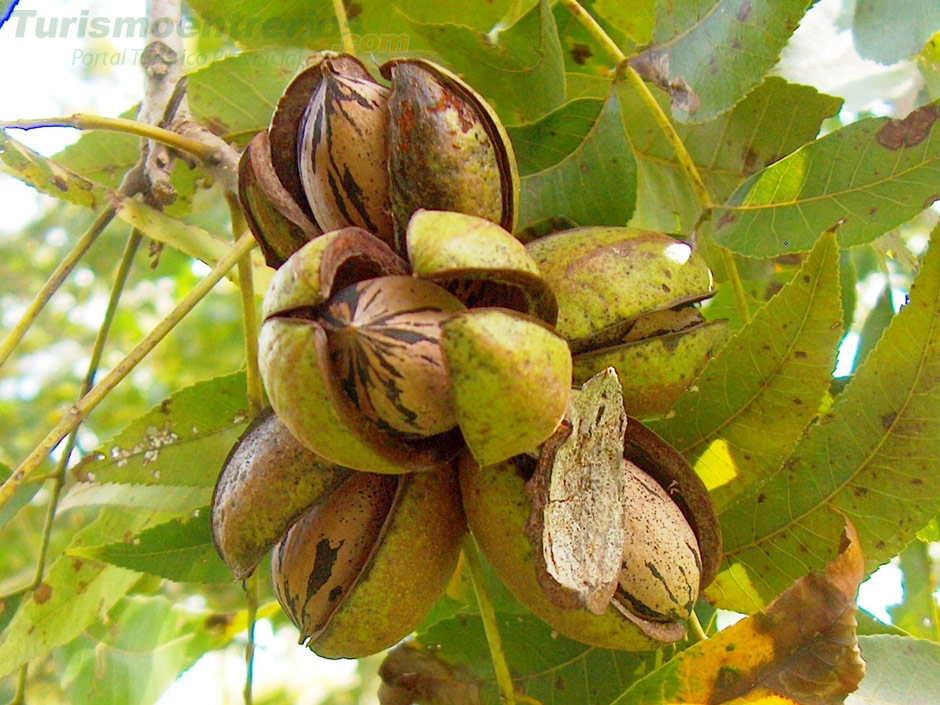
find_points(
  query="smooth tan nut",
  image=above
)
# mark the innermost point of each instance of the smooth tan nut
(384, 340)
(364, 567)
(267, 481)
(662, 565)
(343, 150)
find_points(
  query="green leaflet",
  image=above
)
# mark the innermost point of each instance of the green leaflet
(180, 549)
(522, 76)
(53, 179)
(775, 119)
(873, 457)
(709, 54)
(744, 414)
(595, 184)
(547, 667)
(74, 594)
(900, 671)
(861, 181)
(181, 442)
(235, 97)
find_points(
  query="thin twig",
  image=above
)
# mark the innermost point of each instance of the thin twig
(77, 413)
(696, 633)
(81, 121)
(471, 553)
(251, 597)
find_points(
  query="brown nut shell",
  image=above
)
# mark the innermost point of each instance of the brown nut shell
(286, 123)
(349, 604)
(267, 481)
(343, 150)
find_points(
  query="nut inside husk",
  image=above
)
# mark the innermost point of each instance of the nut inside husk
(267, 481)
(620, 533)
(364, 566)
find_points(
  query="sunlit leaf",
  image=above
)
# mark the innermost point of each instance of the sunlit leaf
(747, 409)
(180, 550)
(900, 671)
(142, 635)
(802, 647)
(696, 42)
(890, 30)
(872, 457)
(635, 19)
(595, 184)
(259, 23)
(181, 442)
(861, 180)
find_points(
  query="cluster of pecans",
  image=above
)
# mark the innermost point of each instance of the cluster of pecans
(419, 361)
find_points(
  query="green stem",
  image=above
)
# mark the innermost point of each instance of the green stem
(345, 36)
(54, 282)
(80, 121)
(686, 163)
(77, 413)
(246, 287)
(696, 633)
(488, 614)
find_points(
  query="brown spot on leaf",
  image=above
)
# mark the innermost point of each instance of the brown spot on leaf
(761, 497)
(353, 10)
(910, 131)
(887, 421)
(42, 594)
(726, 218)
(744, 11)
(799, 354)
(580, 53)
(653, 65)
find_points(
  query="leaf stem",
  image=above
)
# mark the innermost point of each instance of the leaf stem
(488, 614)
(246, 287)
(77, 413)
(345, 36)
(81, 121)
(696, 633)
(686, 163)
